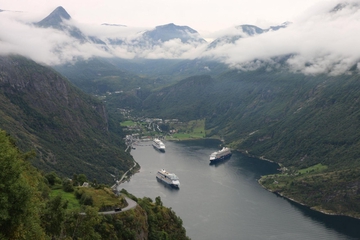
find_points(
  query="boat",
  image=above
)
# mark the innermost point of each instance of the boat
(168, 178)
(220, 155)
(158, 144)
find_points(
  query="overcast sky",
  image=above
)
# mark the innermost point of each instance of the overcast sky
(201, 15)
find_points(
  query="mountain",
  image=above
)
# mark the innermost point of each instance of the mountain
(250, 29)
(343, 5)
(139, 43)
(296, 120)
(272, 106)
(167, 41)
(169, 70)
(69, 131)
(151, 39)
(243, 31)
(55, 19)
(118, 80)
(59, 19)
(171, 31)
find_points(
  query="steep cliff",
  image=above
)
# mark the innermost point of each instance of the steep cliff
(67, 129)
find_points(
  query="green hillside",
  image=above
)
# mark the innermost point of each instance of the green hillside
(31, 210)
(100, 76)
(282, 116)
(170, 70)
(69, 131)
(296, 120)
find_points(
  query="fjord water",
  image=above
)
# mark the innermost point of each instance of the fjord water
(224, 201)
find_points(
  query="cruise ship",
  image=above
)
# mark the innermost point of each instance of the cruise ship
(220, 155)
(168, 178)
(158, 144)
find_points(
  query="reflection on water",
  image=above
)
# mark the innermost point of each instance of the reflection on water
(224, 201)
(345, 225)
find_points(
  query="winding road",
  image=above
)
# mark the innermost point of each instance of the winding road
(131, 204)
(114, 187)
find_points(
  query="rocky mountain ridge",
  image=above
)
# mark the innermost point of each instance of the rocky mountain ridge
(148, 40)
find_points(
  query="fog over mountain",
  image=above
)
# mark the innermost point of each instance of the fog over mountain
(323, 40)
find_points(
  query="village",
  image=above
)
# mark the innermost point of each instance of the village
(141, 129)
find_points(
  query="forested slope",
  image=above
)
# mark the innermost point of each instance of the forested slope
(29, 211)
(69, 131)
(293, 119)
(279, 115)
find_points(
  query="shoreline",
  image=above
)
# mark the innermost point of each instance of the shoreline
(303, 204)
(189, 139)
(118, 182)
(291, 199)
(275, 192)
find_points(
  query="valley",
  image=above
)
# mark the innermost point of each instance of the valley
(75, 98)
(169, 129)
(280, 116)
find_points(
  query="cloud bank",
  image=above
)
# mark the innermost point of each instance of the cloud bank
(324, 40)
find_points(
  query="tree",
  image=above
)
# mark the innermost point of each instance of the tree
(86, 199)
(67, 185)
(158, 201)
(19, 216)
(54, 216)
(81, 179)
(75, 180)
(52, 178)
(83, 226)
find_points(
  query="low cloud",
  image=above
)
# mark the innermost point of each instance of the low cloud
(50, 46)
(46, 46)
(320, 41)
(325, 42)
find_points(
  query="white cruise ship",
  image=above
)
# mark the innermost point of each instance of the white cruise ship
(220, 155)
(168, 178)
(158, 144)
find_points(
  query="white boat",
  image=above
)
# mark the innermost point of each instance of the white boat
(168, 178)
(220, 155)
(158, 144)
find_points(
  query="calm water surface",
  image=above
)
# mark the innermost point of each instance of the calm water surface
(224, 201)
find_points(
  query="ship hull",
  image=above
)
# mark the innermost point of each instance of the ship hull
(167, 184)
(158, 145)
(159, 149)
(170, 179)
(212, 161)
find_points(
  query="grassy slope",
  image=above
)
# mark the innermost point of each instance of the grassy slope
(102, 198)
(190, 130)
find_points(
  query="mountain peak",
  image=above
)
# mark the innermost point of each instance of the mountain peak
(60, 11)
(340, 6)
(250, 29)
(173, 27)
(170, 31)
(55, 18)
